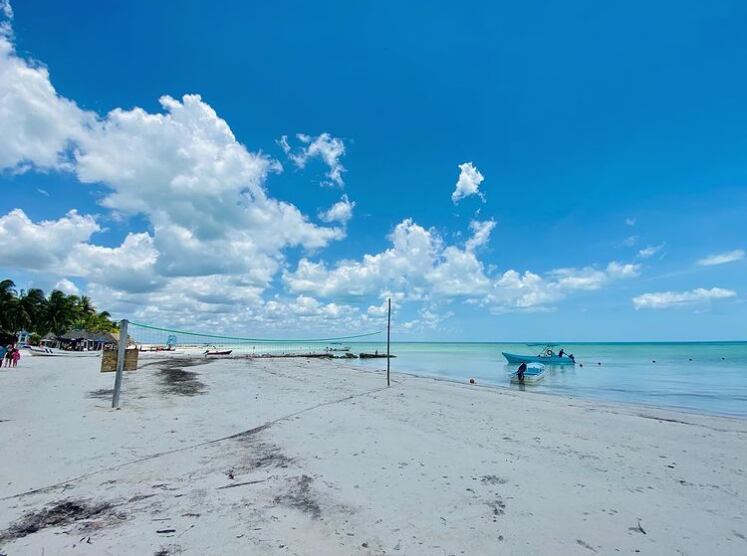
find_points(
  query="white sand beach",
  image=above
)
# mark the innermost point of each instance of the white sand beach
(295, 456)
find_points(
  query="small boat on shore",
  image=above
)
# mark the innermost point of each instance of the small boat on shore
(218, 352)
(534, 373)
(156, 348)
(337, 347)
(375, 355)
(547, 357)
(53, 352)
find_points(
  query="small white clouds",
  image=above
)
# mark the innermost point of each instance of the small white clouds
(664, 300)
(650, 251)
(532, 292)
(308, 308)
(617, 271)
(42, 191)
(421, 266)
(341, 211)
(591, 278)
(630, 221)
(428, 318)
(481, 233)
(630, 241)
(468, 183)
(329, 149)
(722, 258)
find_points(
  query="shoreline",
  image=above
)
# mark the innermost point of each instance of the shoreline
(592, 400)
(276, 456)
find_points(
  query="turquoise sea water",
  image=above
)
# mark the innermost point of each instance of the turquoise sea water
(714, 382)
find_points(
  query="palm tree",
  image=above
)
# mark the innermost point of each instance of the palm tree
(35, 306)
(85, 306)
(60, 311)
(7, 295)
(40, 315)
(15, 316)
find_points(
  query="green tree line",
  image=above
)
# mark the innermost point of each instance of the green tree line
(57, 313)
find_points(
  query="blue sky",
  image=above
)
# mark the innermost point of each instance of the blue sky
(610, 139)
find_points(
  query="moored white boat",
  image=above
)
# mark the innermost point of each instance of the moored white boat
(534, 373)
(53, 352)
(337, 348)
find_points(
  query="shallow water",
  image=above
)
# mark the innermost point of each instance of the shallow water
(714, 382)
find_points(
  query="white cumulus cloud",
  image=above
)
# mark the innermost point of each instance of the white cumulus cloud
(664, 300)
(201, 191)
(341, 211)
(38, 126)
(481, 233)
(531, 292)
(329, 149)
(45, 245)
(468, 183)
(67, 286)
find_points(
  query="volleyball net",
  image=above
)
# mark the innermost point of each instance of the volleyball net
(158, 340)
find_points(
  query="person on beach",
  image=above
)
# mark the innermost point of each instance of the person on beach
(520, 372)
(3, 351)
(16, 356)
(9, 356)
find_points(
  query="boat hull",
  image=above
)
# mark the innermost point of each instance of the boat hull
(515, 359)
(50, 352)
(534, 373)
(223, 352)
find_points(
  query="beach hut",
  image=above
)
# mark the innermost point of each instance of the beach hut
(85, 340)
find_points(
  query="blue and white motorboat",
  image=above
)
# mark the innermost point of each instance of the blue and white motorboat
(547, 357)
(534, 373)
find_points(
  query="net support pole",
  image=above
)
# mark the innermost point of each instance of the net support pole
(388, 337)
(120, 362)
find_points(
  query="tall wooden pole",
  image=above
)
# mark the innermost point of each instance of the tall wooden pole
(388, 338)
(120, 362)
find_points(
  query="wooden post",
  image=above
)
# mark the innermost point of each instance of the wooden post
(121, 351)
(388, 337)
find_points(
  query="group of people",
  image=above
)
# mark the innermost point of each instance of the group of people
(9, 355)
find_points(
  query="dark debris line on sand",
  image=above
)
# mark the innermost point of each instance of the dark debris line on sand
(300, 497)
(60, 514)
(176, 381)
(101, 394)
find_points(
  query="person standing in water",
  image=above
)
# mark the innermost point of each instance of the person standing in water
(520, 372)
